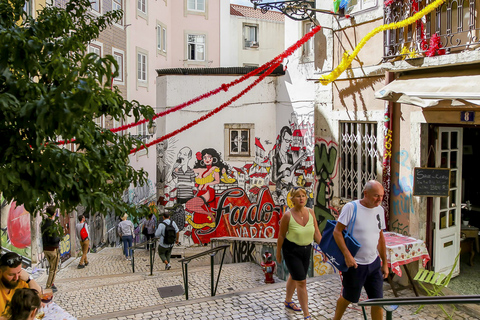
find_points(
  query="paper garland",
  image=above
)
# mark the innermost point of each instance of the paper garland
(348, 58)
(274, 63)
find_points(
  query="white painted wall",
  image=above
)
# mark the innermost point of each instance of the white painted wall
(270, 39)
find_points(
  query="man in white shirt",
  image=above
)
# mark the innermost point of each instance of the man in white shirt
(365, 269)
(164, 247)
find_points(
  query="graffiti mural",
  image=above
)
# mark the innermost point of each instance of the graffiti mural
(221, 199)
(15, 229)
(402, 197)
(321, 264)
(326, 164)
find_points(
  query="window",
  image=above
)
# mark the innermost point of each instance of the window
(95, 5)
(308, 46)
(196, 5)
(238, 140)
(143, 132)
(161, 38)
(95, 48)
(141, 67)
(196, 47)
(250, 36)
(27, 7)
(142, 6)
(118, 55)
(99, 121)
(116, 124)
(359, 5)
(117, 5)
(359, 157)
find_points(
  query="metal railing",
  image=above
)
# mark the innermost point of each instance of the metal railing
(153, 244)
(391, 304)
(455, 22)
(212, 253)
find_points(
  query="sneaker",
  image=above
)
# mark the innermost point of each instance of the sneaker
(129, 258)
(54, 289)
(168, 267)
(80, 266)
(86, 264)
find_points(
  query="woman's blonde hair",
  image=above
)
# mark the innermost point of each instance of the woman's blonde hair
(297, 190)
(125, 216)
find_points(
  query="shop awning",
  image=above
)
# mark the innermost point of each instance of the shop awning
(428, 92)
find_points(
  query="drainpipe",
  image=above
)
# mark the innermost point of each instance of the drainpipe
(387, 152)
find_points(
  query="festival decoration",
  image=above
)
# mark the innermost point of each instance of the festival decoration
(269, 66)
(343, 4)
(274, 63)
(435, 47)
(348, 58)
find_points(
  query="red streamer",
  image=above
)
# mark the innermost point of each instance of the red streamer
(270, 66)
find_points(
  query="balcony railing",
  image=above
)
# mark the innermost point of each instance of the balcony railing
(456, 22)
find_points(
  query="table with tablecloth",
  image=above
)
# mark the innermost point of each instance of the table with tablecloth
(54, 312)
(402, 250)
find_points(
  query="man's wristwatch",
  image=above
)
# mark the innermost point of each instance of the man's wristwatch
(29, 278)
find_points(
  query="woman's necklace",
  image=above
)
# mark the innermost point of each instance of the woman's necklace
(299, 213)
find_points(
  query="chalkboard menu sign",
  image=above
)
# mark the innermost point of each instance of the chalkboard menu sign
(431, 182)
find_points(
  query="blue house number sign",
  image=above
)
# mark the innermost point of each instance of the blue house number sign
(467, 116)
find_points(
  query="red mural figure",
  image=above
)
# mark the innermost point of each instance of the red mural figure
(237, 216)
(207, 169)
(18, 226)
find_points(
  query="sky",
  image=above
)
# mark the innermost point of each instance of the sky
(242, 2)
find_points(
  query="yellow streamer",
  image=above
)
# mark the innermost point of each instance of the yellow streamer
(348, 58)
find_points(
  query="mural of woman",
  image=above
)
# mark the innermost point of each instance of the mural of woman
(207, 168)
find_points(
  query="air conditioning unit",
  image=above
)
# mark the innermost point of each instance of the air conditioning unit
(254, 44)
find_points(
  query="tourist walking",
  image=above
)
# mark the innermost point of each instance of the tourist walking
(125, 230)
(167, 232)
(51, 243)
(83, 234)
(298, 228)
(365, 269)
(150, 226)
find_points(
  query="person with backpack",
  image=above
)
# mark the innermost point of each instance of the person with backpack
(84, 236)
(167, 232)
(51, 243)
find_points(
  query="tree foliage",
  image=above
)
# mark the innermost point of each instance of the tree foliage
(51, 89)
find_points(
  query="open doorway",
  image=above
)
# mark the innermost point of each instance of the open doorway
(468, 281)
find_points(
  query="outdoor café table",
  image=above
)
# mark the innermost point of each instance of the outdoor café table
(54, 312)
(402, 250)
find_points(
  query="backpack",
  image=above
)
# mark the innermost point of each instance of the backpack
(84, 233)
(170, 235)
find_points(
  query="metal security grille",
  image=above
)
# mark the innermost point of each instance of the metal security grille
(359, 156)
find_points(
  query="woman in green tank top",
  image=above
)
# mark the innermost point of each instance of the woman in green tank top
(298, 228)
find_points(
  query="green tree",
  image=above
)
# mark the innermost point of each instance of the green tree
(51, 89)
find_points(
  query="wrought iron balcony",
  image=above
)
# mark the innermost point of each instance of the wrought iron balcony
(456, 23)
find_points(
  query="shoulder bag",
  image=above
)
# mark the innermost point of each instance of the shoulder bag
(329, 245)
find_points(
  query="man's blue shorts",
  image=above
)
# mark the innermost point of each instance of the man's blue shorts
(368, 276)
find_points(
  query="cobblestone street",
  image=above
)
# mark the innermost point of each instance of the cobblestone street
(107, 289)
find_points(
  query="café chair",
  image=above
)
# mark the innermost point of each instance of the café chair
(433, 283)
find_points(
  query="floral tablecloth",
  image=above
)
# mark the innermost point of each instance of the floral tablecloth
(54, 312)
(402, 250)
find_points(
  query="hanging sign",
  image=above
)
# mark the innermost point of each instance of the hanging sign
(431, 182)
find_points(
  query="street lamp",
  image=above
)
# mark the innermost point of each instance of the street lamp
(294, 9)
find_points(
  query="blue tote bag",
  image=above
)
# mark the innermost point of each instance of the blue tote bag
(330, 247)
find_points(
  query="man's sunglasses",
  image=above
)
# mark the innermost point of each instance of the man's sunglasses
(10, 262)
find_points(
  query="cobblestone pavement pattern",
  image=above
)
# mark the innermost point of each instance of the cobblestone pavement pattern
(107, 289)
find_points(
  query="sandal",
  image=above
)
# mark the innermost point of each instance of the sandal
(291, 305)
(307, 317)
